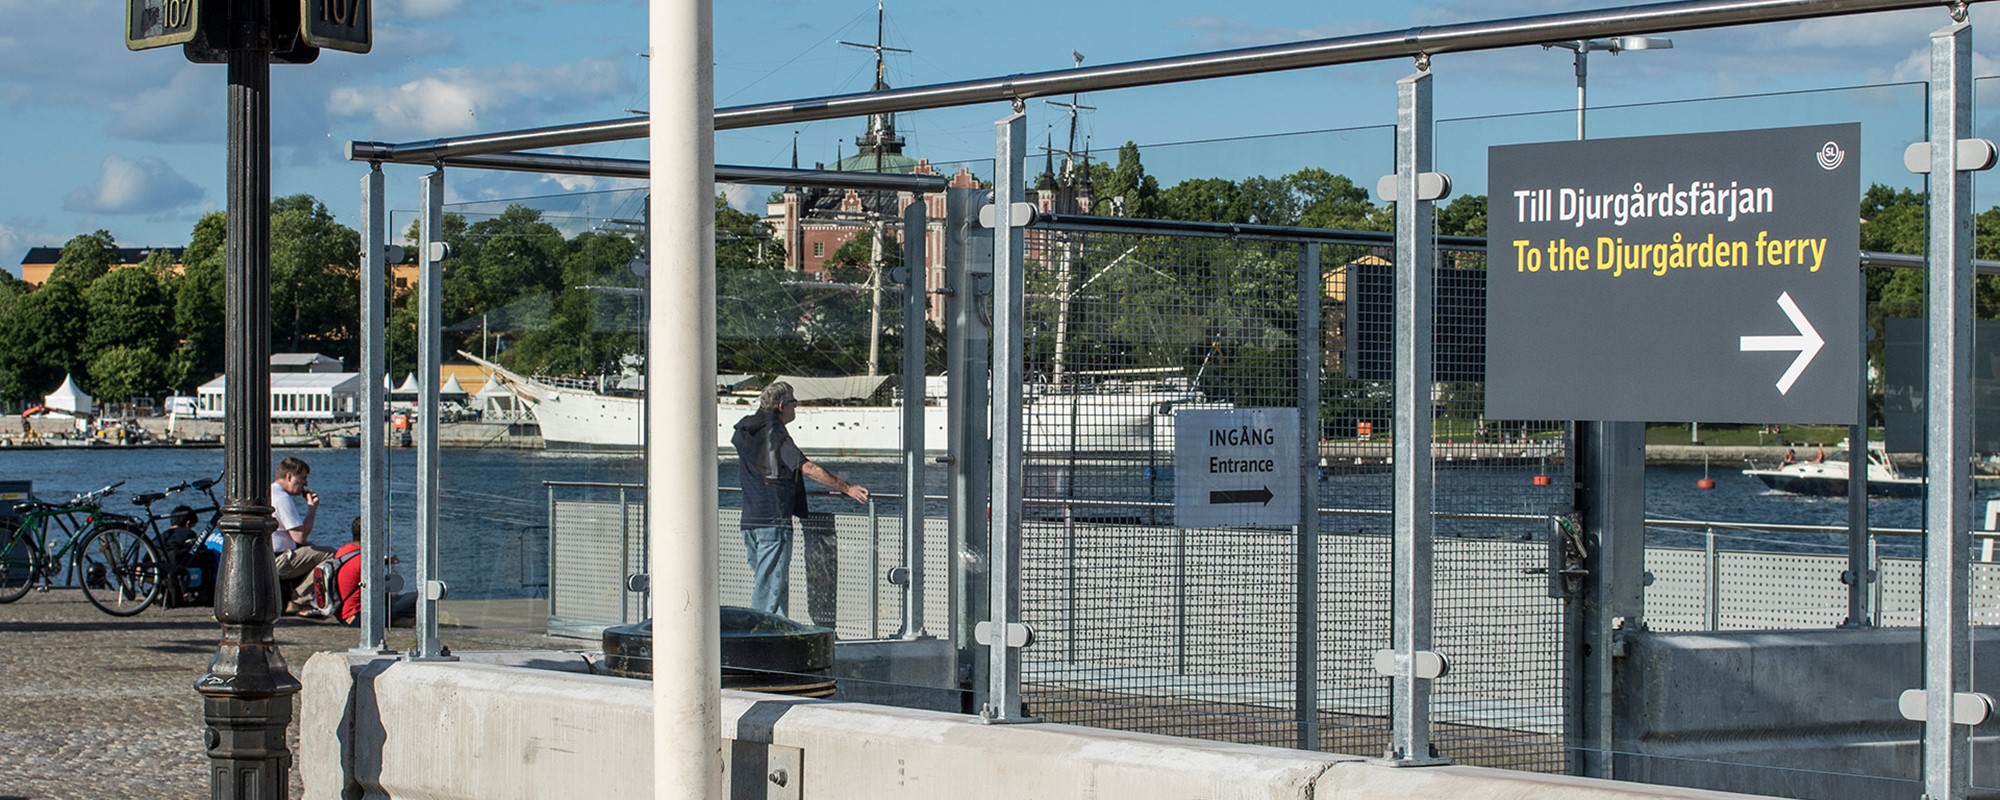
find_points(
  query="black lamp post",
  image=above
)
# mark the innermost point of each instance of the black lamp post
(247, 693)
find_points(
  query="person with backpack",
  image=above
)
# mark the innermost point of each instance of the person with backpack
(337, 587)
(772, 472)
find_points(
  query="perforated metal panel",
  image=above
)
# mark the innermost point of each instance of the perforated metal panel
(1770, 590)
(593, 545)
(863, 603)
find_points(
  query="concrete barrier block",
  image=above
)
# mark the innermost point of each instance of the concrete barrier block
(378, 728)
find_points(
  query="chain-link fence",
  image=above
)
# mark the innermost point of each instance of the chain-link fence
(1143, 624)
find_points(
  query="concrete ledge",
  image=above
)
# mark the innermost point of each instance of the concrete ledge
(388, 728)
(1790, 713)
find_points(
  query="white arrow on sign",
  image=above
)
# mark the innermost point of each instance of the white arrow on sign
(1807, 343)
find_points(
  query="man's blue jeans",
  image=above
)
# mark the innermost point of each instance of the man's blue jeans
(769, 551)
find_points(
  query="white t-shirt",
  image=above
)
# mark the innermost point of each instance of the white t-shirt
(290, 509)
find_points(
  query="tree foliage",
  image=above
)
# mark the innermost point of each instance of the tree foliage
(198, 306)
(43, 336)
(130, 316)
(315, 301)
(86, 257)
(122, 373)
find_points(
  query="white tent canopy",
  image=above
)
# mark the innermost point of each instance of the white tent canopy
(409, 385)
(493, 388)
(70, 400)
(497, 403)
(452, 387)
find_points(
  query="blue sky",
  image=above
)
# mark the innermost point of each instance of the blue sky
(99, 137)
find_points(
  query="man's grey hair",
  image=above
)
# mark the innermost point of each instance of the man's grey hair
(775, 397)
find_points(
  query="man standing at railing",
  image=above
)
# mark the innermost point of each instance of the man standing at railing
(773, 472)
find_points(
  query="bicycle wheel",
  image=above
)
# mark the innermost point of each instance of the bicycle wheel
(19, 566)
(120, 569)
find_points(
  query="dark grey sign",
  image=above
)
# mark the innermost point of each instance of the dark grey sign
(338, 24)
(1705, 277)
(159, 23)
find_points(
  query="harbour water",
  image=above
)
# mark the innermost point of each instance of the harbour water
(493, 503)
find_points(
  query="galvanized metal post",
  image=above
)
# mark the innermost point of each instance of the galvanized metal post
(1305, 675)
(1711, 580)
(1948, 513)
(1860, 575)
(968, 332)
(247, 691)
(374, 450)
(430, 360)
(1611, 471)
(916, 338)
(1003, 703)
(1410, 580)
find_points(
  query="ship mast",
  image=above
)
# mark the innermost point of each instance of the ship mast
(880, 139)
(1066, 203)
(881, 135)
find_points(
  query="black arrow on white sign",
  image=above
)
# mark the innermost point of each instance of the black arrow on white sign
(1807, 343)
(1260, 496)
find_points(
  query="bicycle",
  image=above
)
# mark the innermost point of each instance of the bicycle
(118, 568)
(180, 548)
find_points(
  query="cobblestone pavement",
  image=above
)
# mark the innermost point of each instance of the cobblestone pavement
(96, 707)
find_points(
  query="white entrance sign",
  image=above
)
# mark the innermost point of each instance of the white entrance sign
(1236, 468)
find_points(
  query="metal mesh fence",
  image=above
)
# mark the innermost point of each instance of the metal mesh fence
(1146, 625)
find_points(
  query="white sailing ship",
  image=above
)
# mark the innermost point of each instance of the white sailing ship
(1130, 412)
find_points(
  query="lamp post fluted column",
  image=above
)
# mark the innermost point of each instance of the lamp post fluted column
(247, 692)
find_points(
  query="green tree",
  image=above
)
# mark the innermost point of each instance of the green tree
(122, 373)
(1124, 189)
(1327, 200)
(1269, 201)
(1465, 215)
(198, 306)
(130, 315)
(595, 319)
(400, 331)
(43, 340)
(500, 259)
(1204, 200)
(315, 302)
(84, 258)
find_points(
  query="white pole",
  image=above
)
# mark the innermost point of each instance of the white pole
(680, 448)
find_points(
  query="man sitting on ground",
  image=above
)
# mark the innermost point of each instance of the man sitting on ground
(295, 507)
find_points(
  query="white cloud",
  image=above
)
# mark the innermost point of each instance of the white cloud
(744, 197)
(15, 239)
(578, 183)
(465, 100)
(147, 185)
(184, 110)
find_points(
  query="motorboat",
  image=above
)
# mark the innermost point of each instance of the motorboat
(1826, 475)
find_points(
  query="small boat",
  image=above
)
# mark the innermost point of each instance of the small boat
(1827, 475)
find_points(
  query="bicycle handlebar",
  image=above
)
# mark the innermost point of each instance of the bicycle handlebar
(94, 495)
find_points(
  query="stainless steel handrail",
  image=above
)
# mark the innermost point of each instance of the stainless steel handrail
(1421, 42)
